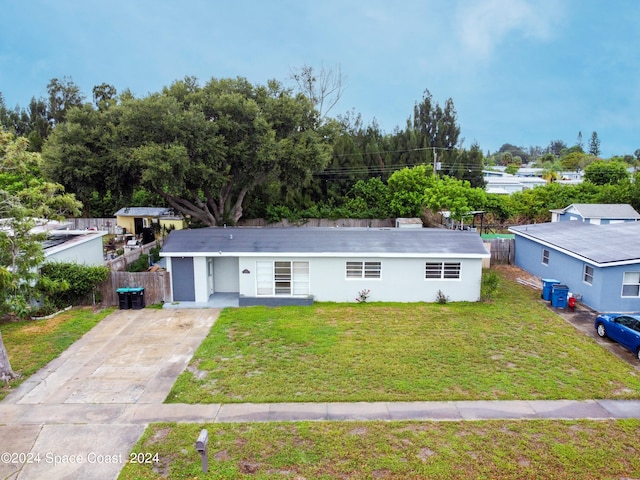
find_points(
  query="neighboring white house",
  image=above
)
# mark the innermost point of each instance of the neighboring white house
(65, 245)
(599, 213)
(278, 266)
(74, 246)
(508, 184)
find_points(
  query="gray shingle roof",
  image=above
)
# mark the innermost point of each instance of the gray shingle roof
(317, 240)
(601, 244)
(616, 211)
(143, 212)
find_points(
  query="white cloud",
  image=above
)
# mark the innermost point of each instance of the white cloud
(482, 25)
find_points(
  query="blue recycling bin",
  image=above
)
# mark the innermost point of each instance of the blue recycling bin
(547, 286)
(559, 294)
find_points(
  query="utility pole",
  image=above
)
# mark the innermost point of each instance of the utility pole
(435, 162)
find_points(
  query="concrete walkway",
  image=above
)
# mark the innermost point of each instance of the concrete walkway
(81, 415)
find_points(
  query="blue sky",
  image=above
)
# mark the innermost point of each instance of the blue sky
(523, 72)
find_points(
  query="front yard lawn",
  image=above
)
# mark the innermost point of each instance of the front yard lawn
(394, 450)
(512, 348)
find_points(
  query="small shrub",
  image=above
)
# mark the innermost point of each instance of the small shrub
(490, 283)
(441, 297)
(363, 295)
(155, 254)
(140, 265)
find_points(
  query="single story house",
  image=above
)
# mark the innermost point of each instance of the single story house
(599, 262)
(510, 184)
(600, 213)
(136, 219)
(75, 246)
(62, 244)
(277, 266)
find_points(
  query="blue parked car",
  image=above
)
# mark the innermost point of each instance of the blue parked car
(623, 328)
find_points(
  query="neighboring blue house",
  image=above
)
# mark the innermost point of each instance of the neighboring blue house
(599, 213)
(600, 262)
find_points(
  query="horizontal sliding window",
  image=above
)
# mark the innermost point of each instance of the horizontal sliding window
(442, 270)
(364, 269)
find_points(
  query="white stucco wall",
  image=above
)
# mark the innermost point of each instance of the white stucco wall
(402, 279)
(200, 275)
(225, 274)
(89, 253)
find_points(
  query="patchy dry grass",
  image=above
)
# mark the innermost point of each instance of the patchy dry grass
(31, 344)
(511, 348)
(395, 450)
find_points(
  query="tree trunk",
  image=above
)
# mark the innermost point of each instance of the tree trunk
(6, 373)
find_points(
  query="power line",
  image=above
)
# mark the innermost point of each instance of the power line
(381, 152)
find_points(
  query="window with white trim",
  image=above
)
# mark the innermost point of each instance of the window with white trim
(545, 256)
(587, 276)
(631, 284)
(364, 269)
(442, 270)
(282, 278)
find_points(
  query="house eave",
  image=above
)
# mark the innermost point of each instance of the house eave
(328, 254)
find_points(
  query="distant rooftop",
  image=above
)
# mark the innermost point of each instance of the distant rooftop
(615, 211)
(144, 212)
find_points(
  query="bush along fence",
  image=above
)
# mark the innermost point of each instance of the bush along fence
(156, 287)
(120, 263)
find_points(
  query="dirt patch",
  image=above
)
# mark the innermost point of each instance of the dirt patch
(383, 473)
(425, 454)
(358, 431)
(513, 273)
(248, 467)
(221, 456)
(39, 327)
(160, 435)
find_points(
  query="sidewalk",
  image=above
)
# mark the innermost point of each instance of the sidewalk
(81, 415)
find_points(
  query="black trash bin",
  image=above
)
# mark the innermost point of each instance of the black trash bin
(137, 298)
(124, 298)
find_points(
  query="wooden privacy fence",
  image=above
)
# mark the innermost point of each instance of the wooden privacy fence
(121, 262)
(104, 224)
(156, 286)
(502, 250)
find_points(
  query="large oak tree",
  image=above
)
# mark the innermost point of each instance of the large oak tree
(202, 149)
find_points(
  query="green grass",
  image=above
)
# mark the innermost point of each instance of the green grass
(531, 449)
(31, 344)
(511, 348)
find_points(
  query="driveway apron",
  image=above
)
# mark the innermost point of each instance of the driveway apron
(80, 416)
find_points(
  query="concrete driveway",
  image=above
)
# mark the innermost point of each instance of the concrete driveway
(80, 415)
